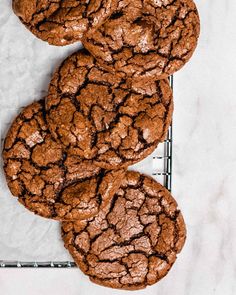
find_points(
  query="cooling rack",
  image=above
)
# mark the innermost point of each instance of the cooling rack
(161, 171)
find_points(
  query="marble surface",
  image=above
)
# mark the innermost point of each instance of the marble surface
(204, 160)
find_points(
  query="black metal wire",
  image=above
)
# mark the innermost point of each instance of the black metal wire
(50, 264)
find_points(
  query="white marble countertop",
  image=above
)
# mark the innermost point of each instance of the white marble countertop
(204, 160)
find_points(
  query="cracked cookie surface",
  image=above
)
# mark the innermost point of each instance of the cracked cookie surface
(98, 115)
(146, 38)
(62, 22)
(133, 241)
(38, 171)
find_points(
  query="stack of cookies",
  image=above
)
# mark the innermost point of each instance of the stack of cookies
(108, 106)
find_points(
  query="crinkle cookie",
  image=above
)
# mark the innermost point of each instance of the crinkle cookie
(146, 38)
(133, 242)
(39, 171)
(97, 115)
(62, 22)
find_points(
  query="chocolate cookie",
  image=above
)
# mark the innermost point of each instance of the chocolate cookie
(134, 241)
(146, 38)
(85, 198)
(97, 115)
(62, 22)
(37, 171)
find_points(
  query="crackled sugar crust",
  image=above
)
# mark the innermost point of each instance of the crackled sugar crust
(62, 22)
(38, 171)
(97, 115)
(134, 241)
(146, 38)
